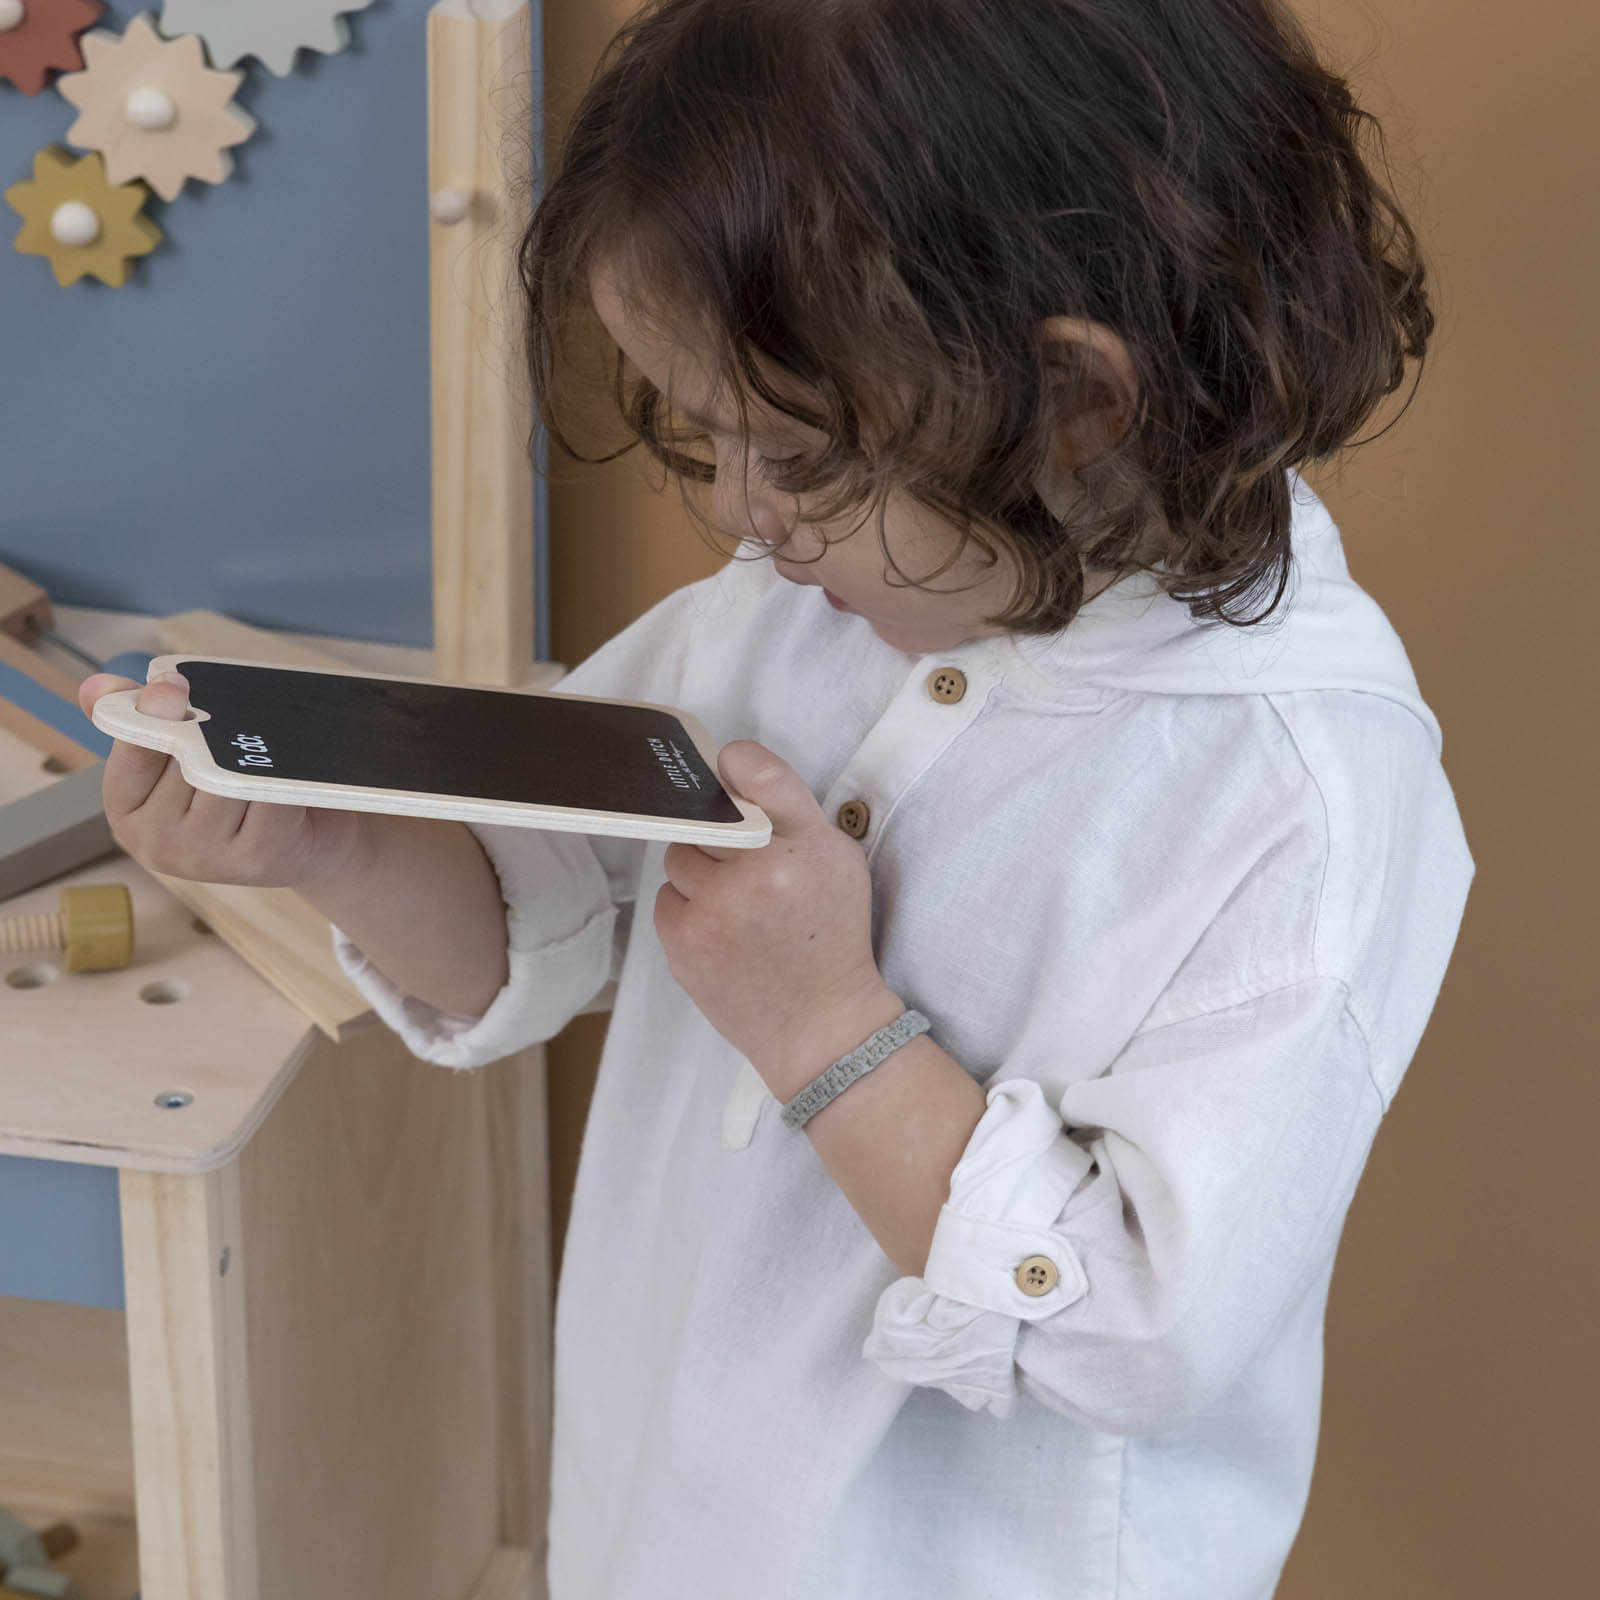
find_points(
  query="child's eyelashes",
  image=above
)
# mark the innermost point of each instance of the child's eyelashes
(771, 467)
(695, 449)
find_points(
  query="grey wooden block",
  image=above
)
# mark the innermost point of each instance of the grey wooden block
(53, 830)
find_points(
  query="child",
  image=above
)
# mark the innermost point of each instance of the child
(1105, 805)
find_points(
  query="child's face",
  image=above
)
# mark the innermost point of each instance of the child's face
(852, 566)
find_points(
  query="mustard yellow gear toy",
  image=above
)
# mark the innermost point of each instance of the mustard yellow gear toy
(153, 108)
(82, 223)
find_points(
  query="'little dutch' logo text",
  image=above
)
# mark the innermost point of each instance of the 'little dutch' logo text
(675, 764)
(255, 750)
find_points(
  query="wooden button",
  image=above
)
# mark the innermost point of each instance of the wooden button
(854, 816)
(1037, 1275)
(947, 684)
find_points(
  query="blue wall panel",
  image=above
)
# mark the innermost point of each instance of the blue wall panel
(60, 1232)
(242, 426)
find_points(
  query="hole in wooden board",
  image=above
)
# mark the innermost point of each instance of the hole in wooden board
(33, 976)
(164, 992)
(200, 925)
(54, 765)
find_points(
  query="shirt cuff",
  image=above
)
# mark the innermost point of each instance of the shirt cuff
(560, 928)
(956, 1326)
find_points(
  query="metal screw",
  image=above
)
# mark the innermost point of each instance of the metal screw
(174, 1099)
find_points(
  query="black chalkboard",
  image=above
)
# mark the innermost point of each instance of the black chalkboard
(484, 744)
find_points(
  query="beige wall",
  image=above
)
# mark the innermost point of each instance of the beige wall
(1458, 1432)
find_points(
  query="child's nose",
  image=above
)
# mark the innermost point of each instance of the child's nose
(744, 504)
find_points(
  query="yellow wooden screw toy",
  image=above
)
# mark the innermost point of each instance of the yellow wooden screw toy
(94, 926)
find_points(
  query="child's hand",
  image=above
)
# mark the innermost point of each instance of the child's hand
(169, 827)
(775, 945)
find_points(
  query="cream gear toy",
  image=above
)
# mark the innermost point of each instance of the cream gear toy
(154, 109)
(269, 30)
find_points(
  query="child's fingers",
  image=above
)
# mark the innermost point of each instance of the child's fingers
(215, 818)
(133, 773)
(98, 684)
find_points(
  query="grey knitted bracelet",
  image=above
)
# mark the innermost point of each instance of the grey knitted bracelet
(816, 1094)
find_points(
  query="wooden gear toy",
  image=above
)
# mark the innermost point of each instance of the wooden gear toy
(269, 30)
(85, 225)
(154, 109)
(41, 36)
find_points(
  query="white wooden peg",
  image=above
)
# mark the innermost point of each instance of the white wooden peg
(151, 109)
(11, 15)
(73, 223)
(449, 206)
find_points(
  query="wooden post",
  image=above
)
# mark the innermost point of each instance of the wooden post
(480, 144)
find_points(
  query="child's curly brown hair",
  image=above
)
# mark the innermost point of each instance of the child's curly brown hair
(885, 199)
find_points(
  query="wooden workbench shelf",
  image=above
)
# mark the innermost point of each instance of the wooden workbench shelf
(66, 1440)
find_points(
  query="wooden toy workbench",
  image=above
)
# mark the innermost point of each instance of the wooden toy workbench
(331, 1375)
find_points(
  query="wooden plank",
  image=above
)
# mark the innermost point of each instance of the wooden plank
(24, 607)
(185, 1269)
(479, 69)
(208, 633)
(512, 1574)
(56, 727)
(23, 769)
(278, 932)
(52, 830)
(48, 741)
(285, 939)
(187, 1015)
(66, 1443)
(371, 1229)
(518, 1162)
(58, 680)
(288, 941)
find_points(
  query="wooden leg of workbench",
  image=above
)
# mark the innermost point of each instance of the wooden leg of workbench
(396, 1229)
(387, 1437)
(184, 1284)
(518, 1133)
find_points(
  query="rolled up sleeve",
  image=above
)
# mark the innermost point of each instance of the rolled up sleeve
(1121, 1255)
(565, 935)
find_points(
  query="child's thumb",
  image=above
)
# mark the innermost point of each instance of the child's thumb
(166, 696)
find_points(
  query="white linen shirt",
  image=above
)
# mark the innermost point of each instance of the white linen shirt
(1180, 897)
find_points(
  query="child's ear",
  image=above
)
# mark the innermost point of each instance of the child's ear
(1091, 388)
